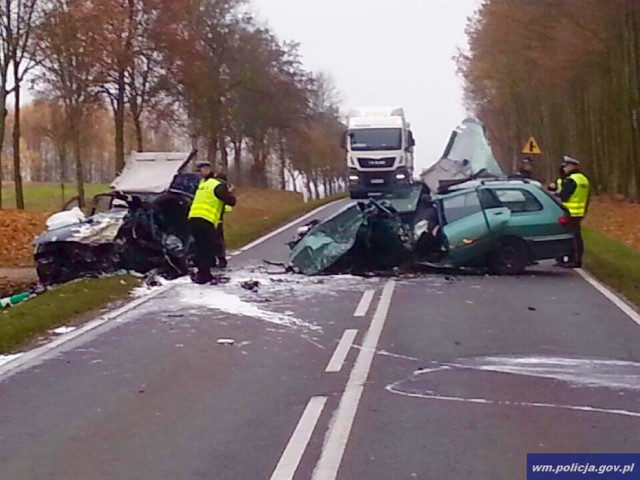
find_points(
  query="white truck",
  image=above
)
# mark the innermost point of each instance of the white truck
(379, 145)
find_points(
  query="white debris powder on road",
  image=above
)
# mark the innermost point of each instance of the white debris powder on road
(232, 299)
(7, 358)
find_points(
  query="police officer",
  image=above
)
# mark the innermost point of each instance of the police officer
(556, 187)
(575, 194)
(221, 254)
(205, 216)
(526, 169)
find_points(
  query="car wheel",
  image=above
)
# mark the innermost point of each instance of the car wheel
(509, 258)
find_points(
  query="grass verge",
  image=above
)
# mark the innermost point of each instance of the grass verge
(613, 263)
(58, 307)
(46, 196)
(258, 212)
(243, 229)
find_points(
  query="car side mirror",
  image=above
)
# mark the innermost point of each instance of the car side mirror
(411, 141)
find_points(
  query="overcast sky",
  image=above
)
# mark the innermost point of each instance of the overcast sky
(384, 52)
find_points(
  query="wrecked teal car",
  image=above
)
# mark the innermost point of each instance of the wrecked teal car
(479, 218)
(499, 225)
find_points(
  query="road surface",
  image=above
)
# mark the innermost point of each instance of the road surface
(433, 377)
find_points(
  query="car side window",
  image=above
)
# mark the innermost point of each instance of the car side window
(518, 200)
(461, 206)
(488, 199)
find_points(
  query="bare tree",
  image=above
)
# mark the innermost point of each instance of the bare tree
(70, 70)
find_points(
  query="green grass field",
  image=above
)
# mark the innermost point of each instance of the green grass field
(613, 263)
(46, 197)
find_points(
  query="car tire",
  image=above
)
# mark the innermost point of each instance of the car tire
(358, 195)
(509, 258)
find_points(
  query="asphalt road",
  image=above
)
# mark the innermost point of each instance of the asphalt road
(433, 377)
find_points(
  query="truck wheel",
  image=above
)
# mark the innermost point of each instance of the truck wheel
(509, 258)
(358, 195)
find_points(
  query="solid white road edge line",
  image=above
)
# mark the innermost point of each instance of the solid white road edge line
(365, 303)
(341, 352)
(615, 299)
(283, 228)
(70, 340)
(288, 464)
(67, 341)
(340, 429)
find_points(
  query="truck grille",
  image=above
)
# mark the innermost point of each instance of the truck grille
(377, 162)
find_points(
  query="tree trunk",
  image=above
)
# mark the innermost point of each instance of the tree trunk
(212, 150)
(137, 124)
(17, 174)
(62, 157)
(3, 123)
(292, 174)
(119, 120)
(283, 164)
(77, 153)
(224, 154)
(237, 160)
(258, 169)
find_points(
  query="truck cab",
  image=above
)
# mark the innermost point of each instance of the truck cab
(379, 145)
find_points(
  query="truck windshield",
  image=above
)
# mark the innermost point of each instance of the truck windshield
(376, 139)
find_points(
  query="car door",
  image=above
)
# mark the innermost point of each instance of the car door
(466, 228)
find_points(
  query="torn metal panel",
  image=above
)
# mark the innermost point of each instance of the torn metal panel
(150, 172)
(325, 244)
(467, 154)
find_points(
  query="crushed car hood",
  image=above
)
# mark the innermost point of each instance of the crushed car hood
(467, 154)
(99, 229)
(150, 172)
(327, 243)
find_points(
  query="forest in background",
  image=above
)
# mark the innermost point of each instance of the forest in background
(114, 76)
(566, 72)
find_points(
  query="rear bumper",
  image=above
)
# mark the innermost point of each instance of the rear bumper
(551, 246)
(363, 184)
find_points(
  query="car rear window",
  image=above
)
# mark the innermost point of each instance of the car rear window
(518, 200)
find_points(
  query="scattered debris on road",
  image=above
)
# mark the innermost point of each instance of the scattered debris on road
(252, 285)
(226, 341)
(63, 330)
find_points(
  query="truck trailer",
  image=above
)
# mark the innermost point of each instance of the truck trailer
(379, 145)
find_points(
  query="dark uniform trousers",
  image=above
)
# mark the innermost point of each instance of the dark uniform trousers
(207, 241)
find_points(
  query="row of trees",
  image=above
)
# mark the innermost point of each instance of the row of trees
(566, 72)
(203, 71)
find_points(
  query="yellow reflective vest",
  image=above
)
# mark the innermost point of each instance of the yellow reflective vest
(205, 203)
(559, 185)
(579, 201)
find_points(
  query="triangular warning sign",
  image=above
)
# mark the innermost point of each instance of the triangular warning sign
(531, 147)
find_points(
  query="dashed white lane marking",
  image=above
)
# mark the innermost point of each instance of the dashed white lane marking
(365, 303)
(288, 464)
(338, 435)
(615, 299)
(341, 352)
(284, 228)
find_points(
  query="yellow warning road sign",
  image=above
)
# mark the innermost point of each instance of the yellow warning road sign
(531, 147)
